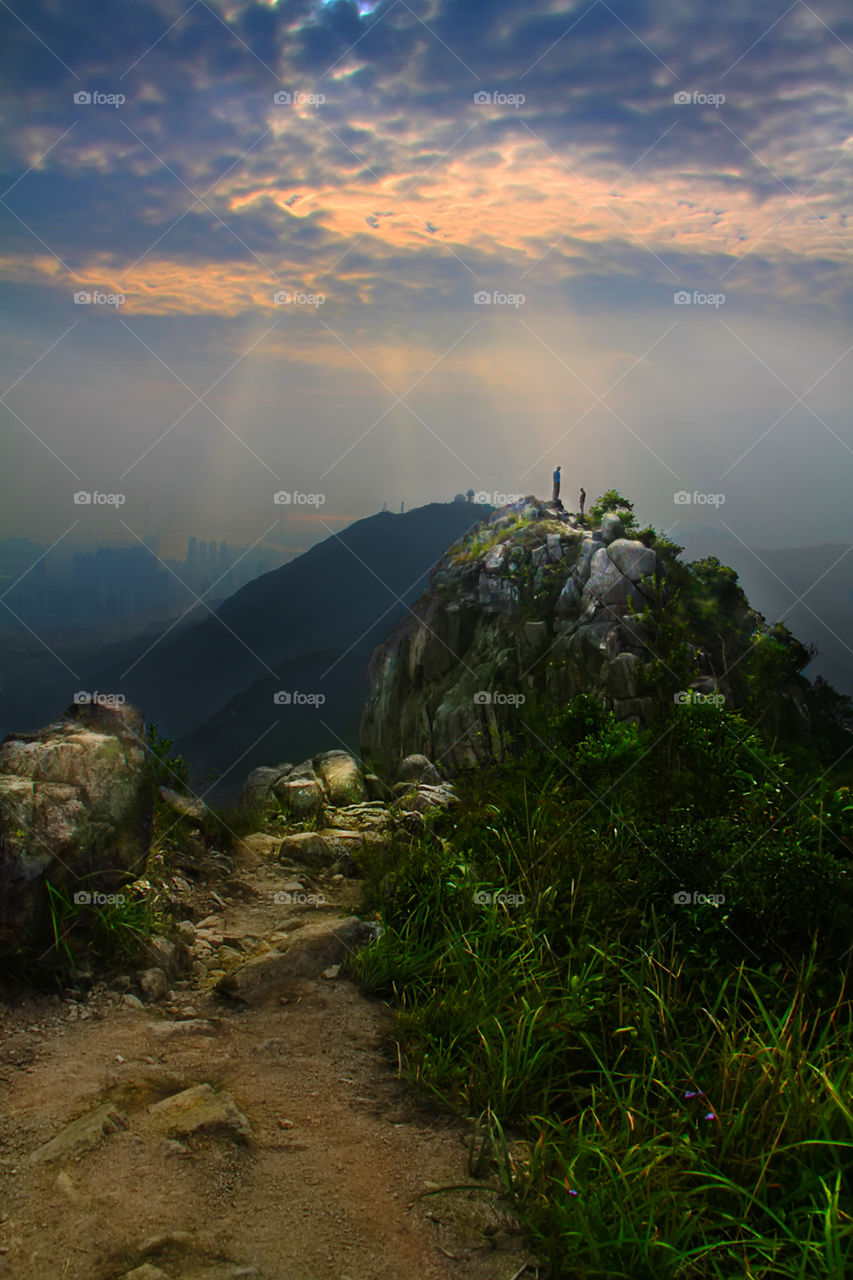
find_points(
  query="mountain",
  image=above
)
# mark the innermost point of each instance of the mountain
(306, 628)
(534, 607)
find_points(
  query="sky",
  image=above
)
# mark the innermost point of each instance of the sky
(365, 253)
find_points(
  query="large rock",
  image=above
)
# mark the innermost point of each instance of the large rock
(257, 789)
(300, 796)
(75, 810)
(341, 777)
(417, 768)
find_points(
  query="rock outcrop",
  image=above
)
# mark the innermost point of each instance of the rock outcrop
(529, 605)
(75, 809)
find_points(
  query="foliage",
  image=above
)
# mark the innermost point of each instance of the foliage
(613, 501)
(165, 770)
(661, 1086)
(93, 929)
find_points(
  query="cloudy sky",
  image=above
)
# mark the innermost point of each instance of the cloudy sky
(385, 252)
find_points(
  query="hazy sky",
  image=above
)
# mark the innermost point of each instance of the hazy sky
(584, 196)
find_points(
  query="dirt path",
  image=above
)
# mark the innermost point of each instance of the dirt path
(329, 1186)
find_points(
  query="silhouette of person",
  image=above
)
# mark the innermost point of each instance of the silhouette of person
(555, 496)
(582, 499)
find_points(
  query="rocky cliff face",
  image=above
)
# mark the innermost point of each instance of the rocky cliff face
(529, 605)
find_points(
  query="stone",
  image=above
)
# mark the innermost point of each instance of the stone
(181, 1028)
(493, 561)
(341, 777)
(417, 768)
(611, 527)
(185, 930)
(300, 797)
(131, 1001)
(568, 600)
(312, 949)
(307, 848)
(258, 786)
(172, 957)
(621, 675)
(81, 1135)
(146, 1272)
(201, 1111)
(153, 984)
(376, 788)
(75, 809)
(634, 559)
(186, 806)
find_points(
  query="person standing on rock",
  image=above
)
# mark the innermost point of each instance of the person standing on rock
(581, 500)
(555, 496)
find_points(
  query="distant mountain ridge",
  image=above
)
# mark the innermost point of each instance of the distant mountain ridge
(331, 605)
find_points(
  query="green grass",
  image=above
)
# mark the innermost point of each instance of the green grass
(662, 1092)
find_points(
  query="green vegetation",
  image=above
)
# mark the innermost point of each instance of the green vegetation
(96, 929)
(165, 770)
(613, 501)
(626, 958)
(480, 541)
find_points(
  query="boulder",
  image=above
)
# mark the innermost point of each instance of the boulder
(417, 768)
(301, 797)
(258, 786)
(172, 957)
(75, 810)
(341, 778)
(308, 848)
(153, 984)
(621, 675)
(611, 527)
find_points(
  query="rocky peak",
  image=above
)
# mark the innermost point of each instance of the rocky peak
(530, 603)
